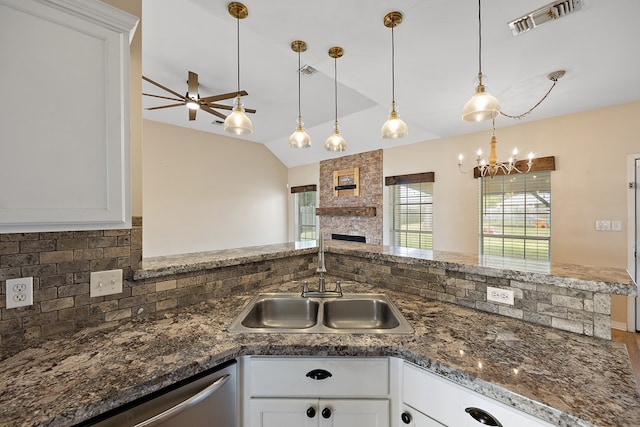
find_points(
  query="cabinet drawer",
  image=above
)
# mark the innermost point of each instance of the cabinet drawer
(349, 377)
(447, 402)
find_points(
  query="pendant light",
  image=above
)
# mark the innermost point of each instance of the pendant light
(394, 127)
(237, 122)
(482, 105)
(335, 142)
(300, 138)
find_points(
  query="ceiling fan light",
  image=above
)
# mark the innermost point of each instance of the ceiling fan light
(193, 105)
(300, 138)
(335, 142)
(394, 127)
(237, 122)
(482, 106)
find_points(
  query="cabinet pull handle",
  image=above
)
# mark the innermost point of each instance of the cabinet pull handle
(311, 412)
(483, 417)
(326, 413)
(405, 417)
(318, 374)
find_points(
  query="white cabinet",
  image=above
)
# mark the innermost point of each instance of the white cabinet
(318, 392)
(65, 131)
(413, 418)
(318, 412)
(452, 405)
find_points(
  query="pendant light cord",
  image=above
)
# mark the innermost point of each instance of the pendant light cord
(335, 85)
(480, 40)
(393, 68)
(299, 109)
(238, 47)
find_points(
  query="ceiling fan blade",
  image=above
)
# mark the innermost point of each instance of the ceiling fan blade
(214, 112)
(192, 114)
(163, 87)
(192, 84)
(222, 96)
(166, 106)
(218, 106)
(163, 97)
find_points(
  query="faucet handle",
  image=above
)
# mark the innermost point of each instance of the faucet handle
(338, 287)
(305, 288)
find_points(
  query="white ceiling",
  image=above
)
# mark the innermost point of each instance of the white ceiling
(436, 63)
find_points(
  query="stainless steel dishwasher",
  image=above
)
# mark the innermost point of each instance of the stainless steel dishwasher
(209, 400)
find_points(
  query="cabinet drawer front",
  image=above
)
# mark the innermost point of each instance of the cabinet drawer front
(349, 377)
(446, 402)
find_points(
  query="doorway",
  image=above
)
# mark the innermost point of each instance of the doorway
(634, 231)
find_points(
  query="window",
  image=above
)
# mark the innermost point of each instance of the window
(305, 212)
(515, 215)
(411, 210)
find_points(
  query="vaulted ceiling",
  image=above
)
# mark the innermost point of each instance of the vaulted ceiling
(436, 51)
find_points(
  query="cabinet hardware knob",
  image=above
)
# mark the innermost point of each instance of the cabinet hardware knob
(326, 413)
(318, 374)
(483, 417)
(311, 412)
(405, 417)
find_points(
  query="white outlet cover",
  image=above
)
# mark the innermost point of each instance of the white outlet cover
(504, 296)
(105, 283)
(19, 292)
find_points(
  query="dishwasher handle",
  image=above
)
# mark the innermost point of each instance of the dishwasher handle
(185, 404)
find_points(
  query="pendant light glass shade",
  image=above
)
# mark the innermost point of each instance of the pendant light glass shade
(482, 105)
(335, 142)
(394, 127)
(237, 122)
(300, 138)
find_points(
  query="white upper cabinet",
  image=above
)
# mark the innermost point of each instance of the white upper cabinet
(64, 115)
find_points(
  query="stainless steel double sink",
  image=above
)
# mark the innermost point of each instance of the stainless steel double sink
(291, 313)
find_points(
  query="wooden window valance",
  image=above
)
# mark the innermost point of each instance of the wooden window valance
(304, 188)
(539, 164)
(412, 178)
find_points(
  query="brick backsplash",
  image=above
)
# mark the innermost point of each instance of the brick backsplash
(61, 264)
(582, 312)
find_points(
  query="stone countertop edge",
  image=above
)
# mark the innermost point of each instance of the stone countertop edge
(566, 379)
(585, 278)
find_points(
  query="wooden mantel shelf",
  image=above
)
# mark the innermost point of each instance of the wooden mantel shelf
(347, 211)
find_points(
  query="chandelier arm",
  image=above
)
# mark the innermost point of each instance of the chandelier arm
(519, 116)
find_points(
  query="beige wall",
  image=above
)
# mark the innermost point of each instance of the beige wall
(204, 192)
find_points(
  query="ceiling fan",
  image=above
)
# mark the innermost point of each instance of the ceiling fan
(193, 101)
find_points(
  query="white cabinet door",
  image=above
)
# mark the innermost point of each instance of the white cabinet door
(283, 413)
(318, 413)
(354, 413)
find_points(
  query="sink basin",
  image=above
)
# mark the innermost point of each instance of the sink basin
(282, 313)
(370, 313)
(291, 313)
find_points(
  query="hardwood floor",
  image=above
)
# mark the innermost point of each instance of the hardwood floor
(632, 341)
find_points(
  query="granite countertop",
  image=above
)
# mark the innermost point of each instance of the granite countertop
(586, 278)
(577, 380)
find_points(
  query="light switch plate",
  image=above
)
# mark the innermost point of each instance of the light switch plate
(105, 283)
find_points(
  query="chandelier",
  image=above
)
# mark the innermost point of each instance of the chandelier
(491, 167)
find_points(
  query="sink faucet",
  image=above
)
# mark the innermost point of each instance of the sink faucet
(321, 270)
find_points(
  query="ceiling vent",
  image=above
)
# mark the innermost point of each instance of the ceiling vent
(547, 13)
(307, 70)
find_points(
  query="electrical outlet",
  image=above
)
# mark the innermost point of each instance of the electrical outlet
(504, 296)
(105, 283)
(19, 292)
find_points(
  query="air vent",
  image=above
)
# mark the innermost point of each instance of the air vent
(307, 70)
(547, 13)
